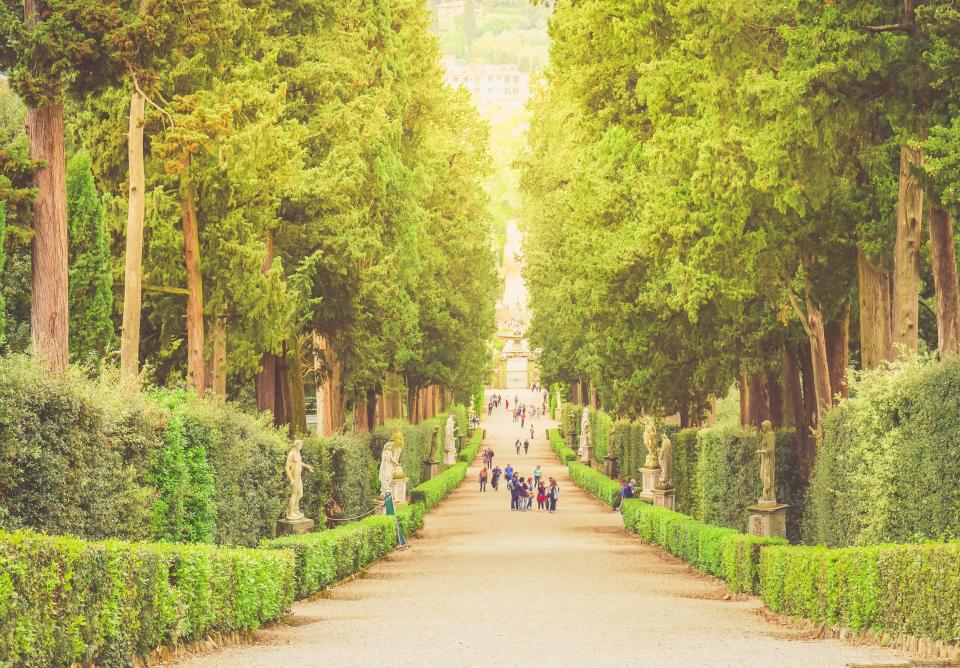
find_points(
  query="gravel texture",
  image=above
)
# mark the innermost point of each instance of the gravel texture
(482, 585)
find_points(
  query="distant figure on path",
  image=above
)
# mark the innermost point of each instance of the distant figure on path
(541, 494)
(522, 493)
(514, 487)
(517, 446)
(495, 478)
(537, 474)
(553, 493)
(483, 479)
(508, 472)
(508, 405)
(531, 431)
(526, 446)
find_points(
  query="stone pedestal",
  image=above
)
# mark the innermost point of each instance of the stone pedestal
(431, 468)
(287, 527)
(398, 487)
(450, 456)
(586, 454)
(663, 498)
(649, 478)
(610, 466)
(768, 519)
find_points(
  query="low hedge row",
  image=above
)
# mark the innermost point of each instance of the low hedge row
(65, 600)
(431, 492)
(725, 553)
(325, 557)
(604, 488)
(896, 589)
(560, 448)
(472, 447)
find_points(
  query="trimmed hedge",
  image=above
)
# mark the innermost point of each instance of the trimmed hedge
(686, 483)
(470, 450)
(896, 589)
(64, 600)
(411, 517)
(626, 442)
(430, 493)
(560, 448)
(604, 488)
(600, 424)
(342, 472)
(888, 469)
(325, 557)
(723, 552)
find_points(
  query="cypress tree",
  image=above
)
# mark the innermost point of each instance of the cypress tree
(91, 282)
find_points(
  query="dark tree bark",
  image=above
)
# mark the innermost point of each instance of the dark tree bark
(944, 259)
(906, 253)
(875, 311)
(191, 252)
(49, 306)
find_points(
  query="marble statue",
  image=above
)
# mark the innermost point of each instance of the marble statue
(386, 467)
(586, 435)
(665, 459)
(767, 452)
(650, 443)
(294, 470)
(450, 442)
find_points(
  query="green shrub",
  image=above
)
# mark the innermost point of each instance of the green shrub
(342, 473)
(897, 589)
(64, 600)
(431, 492)
(73, 453)
(563, 452)
(888, 469)
(325, 557)
(602, 487)
(685, 480)
(720, 551)
(411, 517)
(600, 424)
(470, 451)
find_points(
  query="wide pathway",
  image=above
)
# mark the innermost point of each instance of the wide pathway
(481, 585)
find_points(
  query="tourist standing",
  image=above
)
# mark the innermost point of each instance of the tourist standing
(537, 474)
(495, 478)
(483, 479)
(526, 446)
(508, 472)
(514, 493)
(522, 494)
(541, 494)
(531, 431)
(553, 493)
(517, 446)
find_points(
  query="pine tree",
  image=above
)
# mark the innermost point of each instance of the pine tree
(91, 290)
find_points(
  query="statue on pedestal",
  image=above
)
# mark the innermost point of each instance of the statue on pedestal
(294, 470)
(586, 435)
(449, 442)
(387, 467)
(768, 462)
(650, 443)
(665, 459)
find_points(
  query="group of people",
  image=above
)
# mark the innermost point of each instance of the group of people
(523, 489)
(494, 402)
(628, 490)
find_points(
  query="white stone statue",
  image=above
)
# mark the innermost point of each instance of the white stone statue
(768, 465)
(449, 441)
(650, 443)
(294, 470)
(386, 467)
(665, 459)
(586, 435)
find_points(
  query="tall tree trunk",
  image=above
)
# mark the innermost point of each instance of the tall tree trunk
(297, 408)
(266, 380)
(793, 409)
(837, 335)
(318, 379)
(133, 255)
(818, 354)
(413, 398)
(944, 259)
(753, 409)
(49, 307)
(906, 253)
(774, 399)
(191, 253)
(875, 323)
(220, 355)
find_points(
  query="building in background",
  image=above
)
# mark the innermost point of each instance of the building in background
(494, 88)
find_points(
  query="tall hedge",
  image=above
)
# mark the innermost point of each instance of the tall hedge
(888, 469)
(600, 424)
(686, 481)
(419, 444)
(343, 467)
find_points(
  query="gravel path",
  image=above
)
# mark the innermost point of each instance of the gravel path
(481, 585)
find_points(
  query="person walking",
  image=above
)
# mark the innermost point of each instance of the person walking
(537, 474)
(508, 472)
(526, 446)
(523, 418)
(508, 404)
(531, 431)
(541, 495)
(495, 478)
(531, 492)
(553, 493)
(522, 493)
(514, 493)
(517, 446)
(483, 479)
